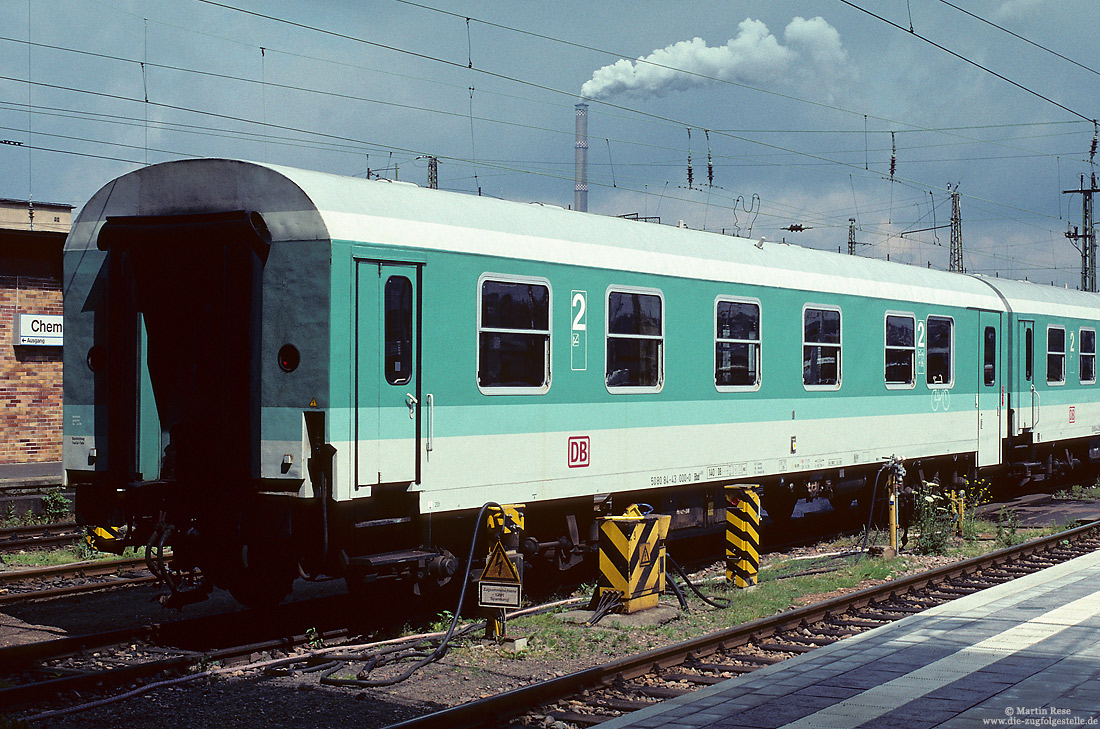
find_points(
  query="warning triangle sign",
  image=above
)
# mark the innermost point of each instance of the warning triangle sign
(499, 568)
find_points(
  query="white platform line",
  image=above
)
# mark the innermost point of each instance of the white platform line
(894, 694)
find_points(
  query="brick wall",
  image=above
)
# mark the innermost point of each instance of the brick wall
(30, 377)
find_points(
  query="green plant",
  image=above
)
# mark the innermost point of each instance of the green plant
(935, 521)
(1008, 527)
(314, 639)
(55, 506)
(442, 621)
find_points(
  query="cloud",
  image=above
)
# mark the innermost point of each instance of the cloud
(1016, 9)
(819, 40)
(754, 56)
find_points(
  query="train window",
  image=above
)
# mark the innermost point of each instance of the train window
(821, 348)
(989, 361)
(736, 345)
(900, 350)
(635, 340)
(940, 357)
(1056, 355)
(1029, 354)
(398, 326)
(513, 354)
(1088, 356)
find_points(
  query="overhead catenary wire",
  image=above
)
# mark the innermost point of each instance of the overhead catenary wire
(512, 168)
(963, 58)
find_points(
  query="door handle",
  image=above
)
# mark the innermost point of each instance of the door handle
(431, 421)
(412, 402)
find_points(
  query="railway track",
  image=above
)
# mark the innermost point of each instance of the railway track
(583, 699)
(15, 539)
(25, 584)
(592, 696)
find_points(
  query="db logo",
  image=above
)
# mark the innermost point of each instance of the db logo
(579, 451)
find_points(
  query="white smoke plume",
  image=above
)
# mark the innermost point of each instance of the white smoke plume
(755, 56)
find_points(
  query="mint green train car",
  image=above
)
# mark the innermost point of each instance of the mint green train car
(278, 373)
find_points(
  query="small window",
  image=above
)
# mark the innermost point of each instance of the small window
(1088, 356)
(1056, 355)
(821, 348)
(1029, 354)
(900, 350)
(989, 361)
(635, 340)
(940, 366)
(736, 345)
(514, 336)
(398, 325)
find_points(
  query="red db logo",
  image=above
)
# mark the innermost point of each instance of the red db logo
(579, 451)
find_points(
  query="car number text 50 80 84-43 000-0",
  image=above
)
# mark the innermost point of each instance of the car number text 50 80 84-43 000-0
(670, 479)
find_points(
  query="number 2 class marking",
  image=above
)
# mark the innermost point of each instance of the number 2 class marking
(578, 335)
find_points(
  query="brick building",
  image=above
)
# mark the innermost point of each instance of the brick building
(31, 241)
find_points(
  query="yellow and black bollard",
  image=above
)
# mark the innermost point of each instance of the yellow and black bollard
(632, 560)
(742, 535)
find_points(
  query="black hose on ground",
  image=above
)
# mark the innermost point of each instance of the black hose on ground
(718, 602)
(410, 652)
(679, 594)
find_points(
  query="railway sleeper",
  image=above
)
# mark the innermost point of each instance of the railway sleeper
(696, 678)
(573, 717)
(657, 692)
(787, 647)
(724, 667)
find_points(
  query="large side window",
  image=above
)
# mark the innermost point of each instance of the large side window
(736, 345)
(941, 370)
(989, 360)
(900, 350)
(1056, 356)
(1088, 356)
(399, 329)
(821, 348)
(635, 340)
(513, 330)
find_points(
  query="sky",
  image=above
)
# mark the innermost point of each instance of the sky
(788, 114)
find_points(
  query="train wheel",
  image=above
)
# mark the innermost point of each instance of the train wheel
(264, 578)
(780, 505)
(843, 504)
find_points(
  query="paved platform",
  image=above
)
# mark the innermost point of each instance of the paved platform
(19, 475)
(1024, 653)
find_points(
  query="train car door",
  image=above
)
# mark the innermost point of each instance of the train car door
(990, 392)
(1024, 397)
(387, 373)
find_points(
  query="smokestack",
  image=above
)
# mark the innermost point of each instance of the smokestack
(580, 189)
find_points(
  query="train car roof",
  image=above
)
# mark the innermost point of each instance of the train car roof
(307, 205)
(1025, 297)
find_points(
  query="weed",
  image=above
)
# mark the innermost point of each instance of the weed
(1077, 492)
(442, 621)
(1008, 527)
(55, 506)
(935, 521)
(314, 639)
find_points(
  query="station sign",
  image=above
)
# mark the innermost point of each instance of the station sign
(40, 330)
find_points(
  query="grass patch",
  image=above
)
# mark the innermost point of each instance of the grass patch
(78, 551)
(56, 509)
(1077, 492)
(784, 584)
